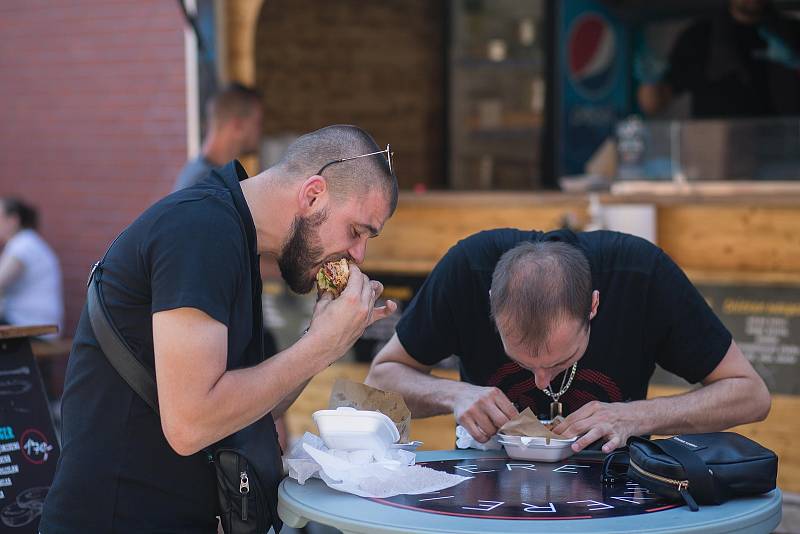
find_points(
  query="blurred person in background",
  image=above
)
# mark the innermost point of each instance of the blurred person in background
(742, 62)
(30, 275)
(234, 130)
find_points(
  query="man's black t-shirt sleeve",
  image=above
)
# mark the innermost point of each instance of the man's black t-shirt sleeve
(686, 336)
(196, 259)
(428, 329)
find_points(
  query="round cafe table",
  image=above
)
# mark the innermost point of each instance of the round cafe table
(506, 495)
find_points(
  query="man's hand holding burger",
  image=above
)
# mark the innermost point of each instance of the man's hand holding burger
(343, 313)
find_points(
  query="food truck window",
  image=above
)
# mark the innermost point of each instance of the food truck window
(496, 94)
(719, 91)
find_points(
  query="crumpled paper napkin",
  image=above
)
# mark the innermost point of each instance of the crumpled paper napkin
(464, 440)
(365, 473)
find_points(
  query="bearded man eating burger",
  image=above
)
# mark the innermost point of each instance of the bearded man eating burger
(182, 284)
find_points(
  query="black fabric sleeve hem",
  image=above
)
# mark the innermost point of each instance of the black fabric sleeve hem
(719, 348)
(203, 305)
(415, 351)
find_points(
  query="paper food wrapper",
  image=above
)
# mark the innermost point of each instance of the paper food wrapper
(363, 397)
(366, 473)
(528, 425)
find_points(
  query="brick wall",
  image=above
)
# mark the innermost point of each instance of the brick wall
(375, 63)
(92, 121)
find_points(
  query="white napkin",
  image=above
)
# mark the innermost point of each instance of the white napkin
(464, 440)
(366, 473)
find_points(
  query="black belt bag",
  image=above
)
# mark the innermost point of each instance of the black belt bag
(697, 468)
(247, 468)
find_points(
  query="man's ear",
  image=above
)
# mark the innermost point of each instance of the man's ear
(312, 195)
(595, 304)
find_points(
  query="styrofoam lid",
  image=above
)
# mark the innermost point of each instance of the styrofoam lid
(349, 420)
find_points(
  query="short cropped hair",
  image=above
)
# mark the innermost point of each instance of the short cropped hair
(312, 151)
(235, 101)
(536, 286)
(27, 215)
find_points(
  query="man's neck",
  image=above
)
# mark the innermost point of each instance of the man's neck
(271, 209)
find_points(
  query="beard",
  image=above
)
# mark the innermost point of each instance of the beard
(302, 252)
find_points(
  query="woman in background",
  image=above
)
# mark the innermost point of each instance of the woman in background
(30, 276)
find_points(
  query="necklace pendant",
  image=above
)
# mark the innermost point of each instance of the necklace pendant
(556, 410)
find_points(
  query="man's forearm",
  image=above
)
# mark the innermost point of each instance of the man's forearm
(717, 406)
(424, 394)
(242, 396)
(288, 400)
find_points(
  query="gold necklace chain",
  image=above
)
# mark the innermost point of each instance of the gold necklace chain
(555, 396)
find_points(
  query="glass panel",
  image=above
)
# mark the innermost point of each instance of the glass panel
(497, 92)
(702, 150)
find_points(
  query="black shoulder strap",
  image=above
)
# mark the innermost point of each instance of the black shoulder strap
(701, 483)
(114, 347)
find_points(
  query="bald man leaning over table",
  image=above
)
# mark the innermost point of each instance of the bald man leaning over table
(569, 322)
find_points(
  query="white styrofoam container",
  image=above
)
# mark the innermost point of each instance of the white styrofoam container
(351, 429)
(524, 448)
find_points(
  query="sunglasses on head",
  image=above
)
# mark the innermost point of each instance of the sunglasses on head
(387, 151)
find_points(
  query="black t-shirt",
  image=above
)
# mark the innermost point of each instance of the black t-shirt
(721, 64)
(649, 313)
(117, 473)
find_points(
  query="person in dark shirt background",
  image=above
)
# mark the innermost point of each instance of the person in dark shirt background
(742, 62)
(234, 130)
(575, 320)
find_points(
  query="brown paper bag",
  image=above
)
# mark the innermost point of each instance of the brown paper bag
(528, 425)
(363, 397)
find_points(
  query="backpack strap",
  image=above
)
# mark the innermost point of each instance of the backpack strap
(119, 354)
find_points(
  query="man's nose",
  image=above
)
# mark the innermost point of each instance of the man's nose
(358, 251)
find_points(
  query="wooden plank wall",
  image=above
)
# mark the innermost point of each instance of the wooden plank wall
(732, 237)
(425, 226)
(749, 238)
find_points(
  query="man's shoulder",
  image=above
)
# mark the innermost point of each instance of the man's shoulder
(199, 212)
(609, 250)
(481, 251)
(695, 36)
(26, 243)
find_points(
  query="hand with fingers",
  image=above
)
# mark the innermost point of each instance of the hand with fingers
(482, 410)
(341, 321)
(613, 422)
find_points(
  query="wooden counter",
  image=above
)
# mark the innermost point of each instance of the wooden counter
(747, 236)
(10, 332)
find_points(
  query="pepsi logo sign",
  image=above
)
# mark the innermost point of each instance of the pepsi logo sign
(591, 55)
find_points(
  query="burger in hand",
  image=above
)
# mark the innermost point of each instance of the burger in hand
(333, 277)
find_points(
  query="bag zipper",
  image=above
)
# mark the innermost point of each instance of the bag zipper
(681, 485)
(244, 489)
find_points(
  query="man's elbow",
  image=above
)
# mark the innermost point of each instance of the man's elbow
(182, 435)
(763, 401)
(376, 376)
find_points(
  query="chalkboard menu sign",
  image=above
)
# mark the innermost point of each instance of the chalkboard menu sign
(765, 323)
(28, 447)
